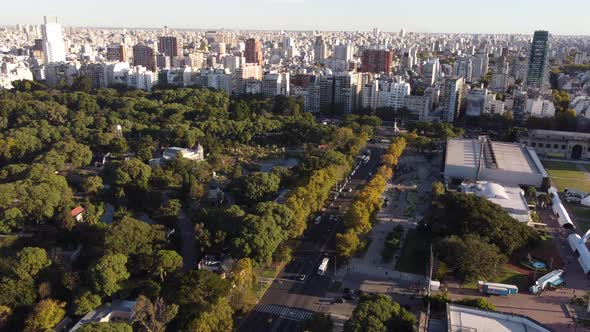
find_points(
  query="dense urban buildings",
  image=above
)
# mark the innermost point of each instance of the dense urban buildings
(434, 77)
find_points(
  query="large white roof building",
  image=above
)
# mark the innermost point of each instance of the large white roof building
(462, 319)
(504, 163)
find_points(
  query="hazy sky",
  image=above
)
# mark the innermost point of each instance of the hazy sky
(499, 16)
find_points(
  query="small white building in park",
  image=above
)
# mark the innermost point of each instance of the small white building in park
(174, 152)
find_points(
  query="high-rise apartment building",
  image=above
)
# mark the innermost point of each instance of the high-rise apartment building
(370, 95)
(519, 107)
(480, 66)
(453, 96)
(409, 57)
(145, 56)
(464, 67)
(343, 52)
(501, 74)
(430, 71)
(538, 59)
(377, 61)
(169, 46)
(116, 52)
(274, 84)
(393, 94)
(247, 73)
(347, 88)
(253, 51)
(54, 49)
(320, 49)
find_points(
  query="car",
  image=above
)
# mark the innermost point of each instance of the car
(348, 297)
(349, 190)
(339, 300)
(333, 218)
(301, 277)
(317, 220)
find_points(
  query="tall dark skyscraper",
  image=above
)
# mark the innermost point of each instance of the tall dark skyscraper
(253, 52)
(538, 59)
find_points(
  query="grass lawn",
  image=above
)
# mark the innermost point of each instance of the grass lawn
(567, 175)
(581, 216)
(265, 272)
(414, 254)
(269, 272)
(510, 277)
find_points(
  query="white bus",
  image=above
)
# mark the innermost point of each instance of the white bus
(323, 266)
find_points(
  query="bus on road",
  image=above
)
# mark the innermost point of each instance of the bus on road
(323, 266)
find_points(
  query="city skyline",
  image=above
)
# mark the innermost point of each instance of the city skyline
(455, 16)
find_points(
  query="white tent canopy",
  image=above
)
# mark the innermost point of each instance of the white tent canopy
(563, 218)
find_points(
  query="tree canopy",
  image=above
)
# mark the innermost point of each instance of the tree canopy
(461, 214)
(379, 313)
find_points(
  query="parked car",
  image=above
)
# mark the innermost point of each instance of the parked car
(301, 277)
(317, 220)
(349, 190)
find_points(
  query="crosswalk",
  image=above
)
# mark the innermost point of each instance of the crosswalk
(284, 312)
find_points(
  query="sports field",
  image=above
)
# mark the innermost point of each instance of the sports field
(568, 175)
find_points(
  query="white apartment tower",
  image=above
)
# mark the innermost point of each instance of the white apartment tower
(343, 52)
(370, 95)
(464, 67)
(430, 71)
(393, 94)
(54, 49)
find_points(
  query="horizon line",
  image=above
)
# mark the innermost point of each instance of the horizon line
(299, 30)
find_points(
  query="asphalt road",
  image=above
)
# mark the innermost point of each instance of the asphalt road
(317, 242)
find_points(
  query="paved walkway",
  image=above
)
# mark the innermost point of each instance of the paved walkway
(189, 243)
